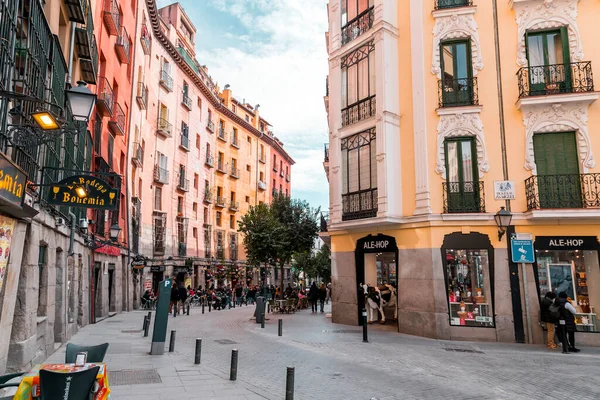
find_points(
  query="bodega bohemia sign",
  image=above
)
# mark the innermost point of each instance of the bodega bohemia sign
(99, 194)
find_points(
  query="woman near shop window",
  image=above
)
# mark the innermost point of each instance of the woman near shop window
(567, 323)
(550, 317)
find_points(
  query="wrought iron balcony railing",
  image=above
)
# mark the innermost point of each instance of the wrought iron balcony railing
(76, 10)
(182, 249)
(222, 135)
(208, 196)
(463, 197)
(275, 168)
(563, 191)
(358, 25)
(164, 127)
(359, 205)
(221, 167)
(458, 92)
(234, 205)
(166, 80)
(138, 154)
(146, 39)
(123, 46)
(185, 141)
(358, 111)
(443, 4)
(288, 178)
(183, 184)
(85, 42)
(117, 122)
(112, 18)
(281, 173)
(220, 201)
(105, 101)
(235, 141)
(161, 175)
(209, 161)
(210, 125)
(186, 101)
(142, 95)
(235, 172)
(555, 79)
(262, 185)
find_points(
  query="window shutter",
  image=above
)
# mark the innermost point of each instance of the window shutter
(556, 153)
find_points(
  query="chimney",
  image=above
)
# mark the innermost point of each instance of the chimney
(227, 97)
(256, 116)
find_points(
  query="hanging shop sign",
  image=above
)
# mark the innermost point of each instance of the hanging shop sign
(7, 227)
(566, 242)
(138, 264)
(379, 243)
(157, 268)
(109, 251)
(12, 182)
(85, 191)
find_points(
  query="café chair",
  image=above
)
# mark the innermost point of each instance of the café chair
(68, 386)
(8, 388)
(94, 353)
(4, 379)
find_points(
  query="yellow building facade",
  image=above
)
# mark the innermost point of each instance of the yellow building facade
(441, 113)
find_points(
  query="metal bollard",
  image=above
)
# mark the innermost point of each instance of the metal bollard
(175, 306)
(202, 307)
(172, 342)
(209, 305)
(365, 336)
(280, 328)
(146, 327)
(144, 323)
(262, 322)
(234, 302)
(268, 308)
(198, 351)
(149, 317)
(234, 365)
(289, 384)
(188, 308)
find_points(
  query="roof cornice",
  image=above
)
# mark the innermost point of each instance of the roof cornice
(214, 100)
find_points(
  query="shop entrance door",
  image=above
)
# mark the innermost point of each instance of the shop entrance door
(157, 277)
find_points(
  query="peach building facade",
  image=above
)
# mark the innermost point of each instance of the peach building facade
(195, 153)
(423, 153)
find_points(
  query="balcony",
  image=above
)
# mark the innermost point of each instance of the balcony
(220, 202)
(359, 205)
(235, 172)
(445, 4)
(234, 205)
(161, 175)
(359, 111)
(548, 80)
(105, 101)
(85, 42)
(186, 101)
(281, 173)
(164, 127)
(221, 167)
(262, 185)
(123, 46)
(184, 142)
(146, 40)
(142, 96)
(221, 135)
(458, 92)
(117, 122)
(463, 197)
(235, 141)
(210, 126)
(166, 80)
(288, 178)
(136, 219)
(111, 17)
(182, 249)
(76, 10)
(275, 168)
(563, 191)
(209, 161)
(358, 25)
(183, 184)
(138, 154)
(208, 196)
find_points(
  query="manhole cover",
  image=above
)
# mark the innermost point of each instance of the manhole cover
(225, 341)
(133, 377)
(459, 350)
(132, 331)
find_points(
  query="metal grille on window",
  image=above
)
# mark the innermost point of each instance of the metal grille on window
(220, 244)
(159, 229)
(358, 84)
(359, 176)
(207, 241)
(233, 246)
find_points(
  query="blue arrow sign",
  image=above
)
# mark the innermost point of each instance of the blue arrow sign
(522, 251)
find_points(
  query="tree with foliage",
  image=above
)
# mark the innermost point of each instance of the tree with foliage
(274, 233)
(322, 263)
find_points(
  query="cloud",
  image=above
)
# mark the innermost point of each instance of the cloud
(279, 62)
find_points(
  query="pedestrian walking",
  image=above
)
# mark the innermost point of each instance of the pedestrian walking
(550, 313)
(328, 298)
(174, 296)
(322, 296)
(238, 294)
(182, 295)
(566, 324)
(313, 296)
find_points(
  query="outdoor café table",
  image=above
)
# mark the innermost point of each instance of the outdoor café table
(32, 378)
(281, 305)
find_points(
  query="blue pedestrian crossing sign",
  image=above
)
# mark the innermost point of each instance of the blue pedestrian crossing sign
(522, 251)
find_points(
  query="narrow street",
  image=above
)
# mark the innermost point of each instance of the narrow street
(332, 362)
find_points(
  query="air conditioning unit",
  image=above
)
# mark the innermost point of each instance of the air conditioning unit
(60, 221)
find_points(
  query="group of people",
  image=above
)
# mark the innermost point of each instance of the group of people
(558, 314)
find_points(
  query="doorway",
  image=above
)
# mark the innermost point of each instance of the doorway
(111, 289)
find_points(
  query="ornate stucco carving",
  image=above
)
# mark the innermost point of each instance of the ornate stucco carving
(334, 63)
(558, 118)
(546, 14)
(457, 125)
(456, 26)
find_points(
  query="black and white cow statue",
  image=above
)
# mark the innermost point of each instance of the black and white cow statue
(378, 298)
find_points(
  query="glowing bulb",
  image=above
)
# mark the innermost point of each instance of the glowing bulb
(80, 192)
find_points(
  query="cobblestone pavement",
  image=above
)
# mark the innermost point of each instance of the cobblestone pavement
(332, 362)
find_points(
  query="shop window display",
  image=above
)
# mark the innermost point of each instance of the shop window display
(386, 269)
(577, 273)
(468, 284)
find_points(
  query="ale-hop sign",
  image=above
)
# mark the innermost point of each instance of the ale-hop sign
(85, 191)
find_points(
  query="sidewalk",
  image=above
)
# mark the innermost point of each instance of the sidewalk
(135, 375)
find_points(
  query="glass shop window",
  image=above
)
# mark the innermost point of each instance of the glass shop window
(469, 290)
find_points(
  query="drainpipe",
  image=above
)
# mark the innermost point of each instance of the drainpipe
(70, 252)
(71, 52)
(257, 174)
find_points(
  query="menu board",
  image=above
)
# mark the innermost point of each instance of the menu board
(7, 226)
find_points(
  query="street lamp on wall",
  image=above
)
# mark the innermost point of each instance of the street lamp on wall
(82, 102)
(115, 230)
(503, 219)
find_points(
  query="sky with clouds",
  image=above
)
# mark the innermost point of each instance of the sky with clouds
(272, 53)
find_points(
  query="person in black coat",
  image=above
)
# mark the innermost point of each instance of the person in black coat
(313, 296)
(548, 318)
(322, 296)
(566, 323)
(182, 295)
(174, 297)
